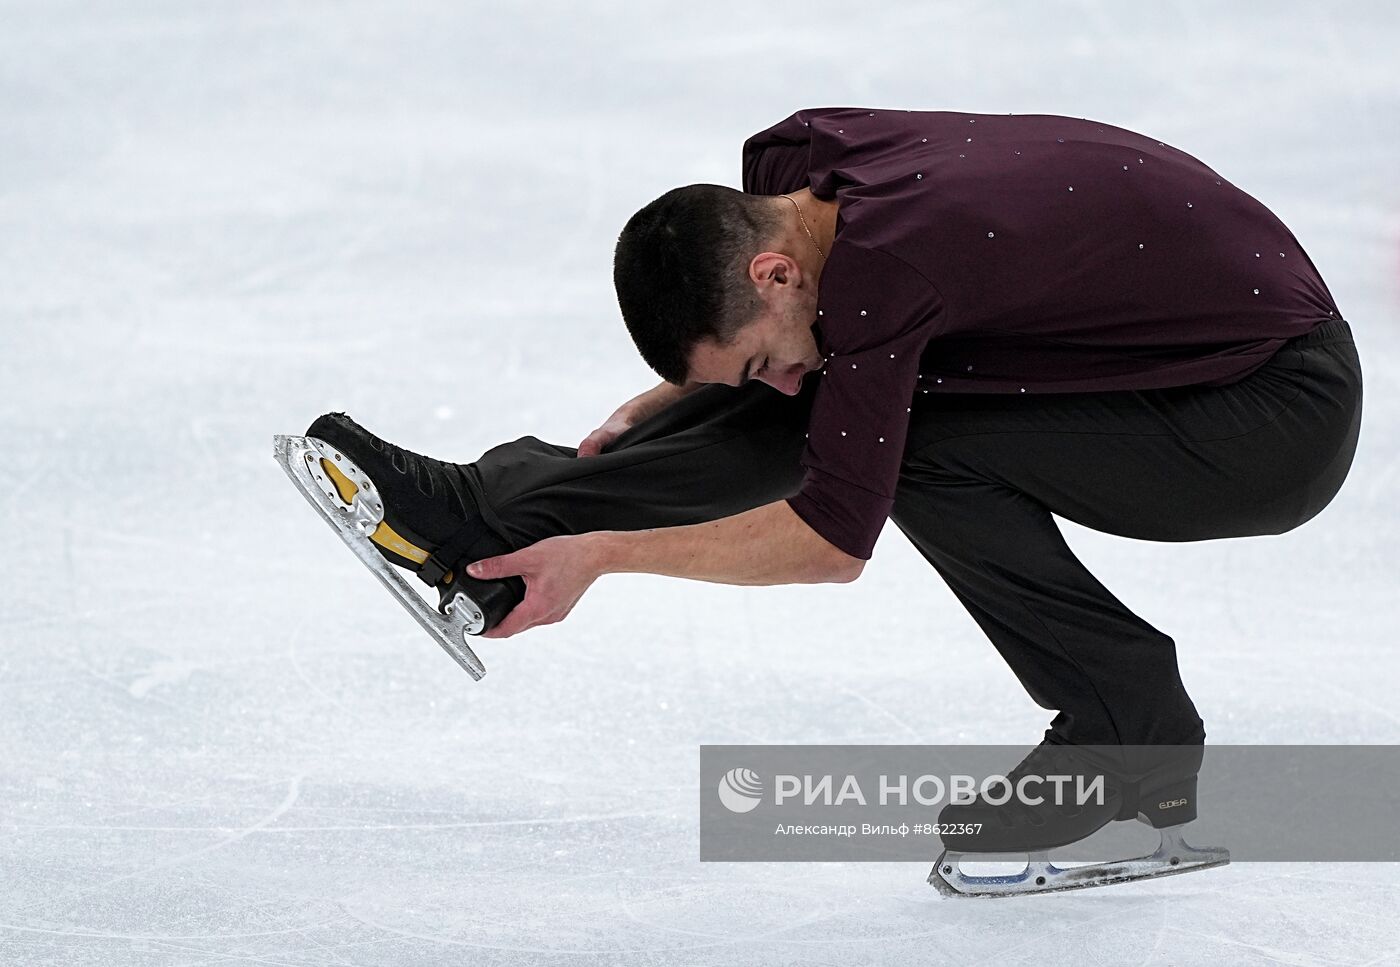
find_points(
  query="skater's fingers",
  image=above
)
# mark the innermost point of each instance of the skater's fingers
(506, 565)
(593, 444)
(556, 571)
(511, 624)
(524, 616)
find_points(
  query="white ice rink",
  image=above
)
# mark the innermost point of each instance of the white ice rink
(222, 743)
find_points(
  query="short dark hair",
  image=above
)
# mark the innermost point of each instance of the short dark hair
(681, 271)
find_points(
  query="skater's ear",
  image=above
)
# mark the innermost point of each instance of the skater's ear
(767, 269)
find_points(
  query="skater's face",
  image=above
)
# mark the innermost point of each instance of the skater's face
(778, 347)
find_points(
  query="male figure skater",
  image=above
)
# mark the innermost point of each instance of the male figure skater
(965, 323)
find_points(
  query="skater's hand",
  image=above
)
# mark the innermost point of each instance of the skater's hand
(616, 425)
(556, 571)
(639, 409)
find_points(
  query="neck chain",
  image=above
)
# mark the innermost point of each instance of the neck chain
(804, 226)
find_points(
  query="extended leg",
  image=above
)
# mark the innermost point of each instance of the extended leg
(712, 454)
(715, 453)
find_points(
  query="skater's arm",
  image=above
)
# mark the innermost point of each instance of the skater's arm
(634, 411)
(763, 546)
(766, 545)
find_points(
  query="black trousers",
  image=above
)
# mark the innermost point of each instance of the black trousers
(982, 475)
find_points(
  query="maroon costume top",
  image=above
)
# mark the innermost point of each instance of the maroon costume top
(987, 253)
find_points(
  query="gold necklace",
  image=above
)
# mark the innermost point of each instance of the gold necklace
(804, 226)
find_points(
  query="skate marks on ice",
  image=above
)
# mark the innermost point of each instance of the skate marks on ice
(838, 914)
(622, 916)
(301, 457)
(379, 880)
(288, 801)
(670, 914)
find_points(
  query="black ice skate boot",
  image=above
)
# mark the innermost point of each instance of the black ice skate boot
(431, 524)
(1153, 784)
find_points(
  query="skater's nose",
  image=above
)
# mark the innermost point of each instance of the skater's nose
(789, 381)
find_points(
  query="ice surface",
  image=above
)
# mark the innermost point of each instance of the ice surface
(221, 742)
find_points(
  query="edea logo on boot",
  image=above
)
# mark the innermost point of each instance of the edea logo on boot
(740, 790)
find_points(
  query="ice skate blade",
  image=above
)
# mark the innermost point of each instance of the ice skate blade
(1174, 855)
(300, 458)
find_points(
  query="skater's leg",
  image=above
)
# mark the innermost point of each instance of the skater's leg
(1074, 646)
(983, 474)
(716, 452)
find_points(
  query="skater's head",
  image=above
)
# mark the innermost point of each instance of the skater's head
(717, 285)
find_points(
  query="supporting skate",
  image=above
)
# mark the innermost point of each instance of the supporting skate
(1152, 784)
(1041, 875)
(354, 506)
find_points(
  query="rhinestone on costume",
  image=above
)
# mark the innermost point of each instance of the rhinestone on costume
(991, 234)
(1125, 167)
(853, 365)
(1071, 188)
(882, 439)
(891, 355)
(962, 156)
(919, 176)
(1256, 291)
(1188, 205)
(969, 369)
(969, 140)
(1061, 140)
(843, 432)
(1282, 256)
(1256, 255)
(862, 312)
(940, 379)
(1139, 245)
(1023, 389)
(1139, 161)
(925, 141)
